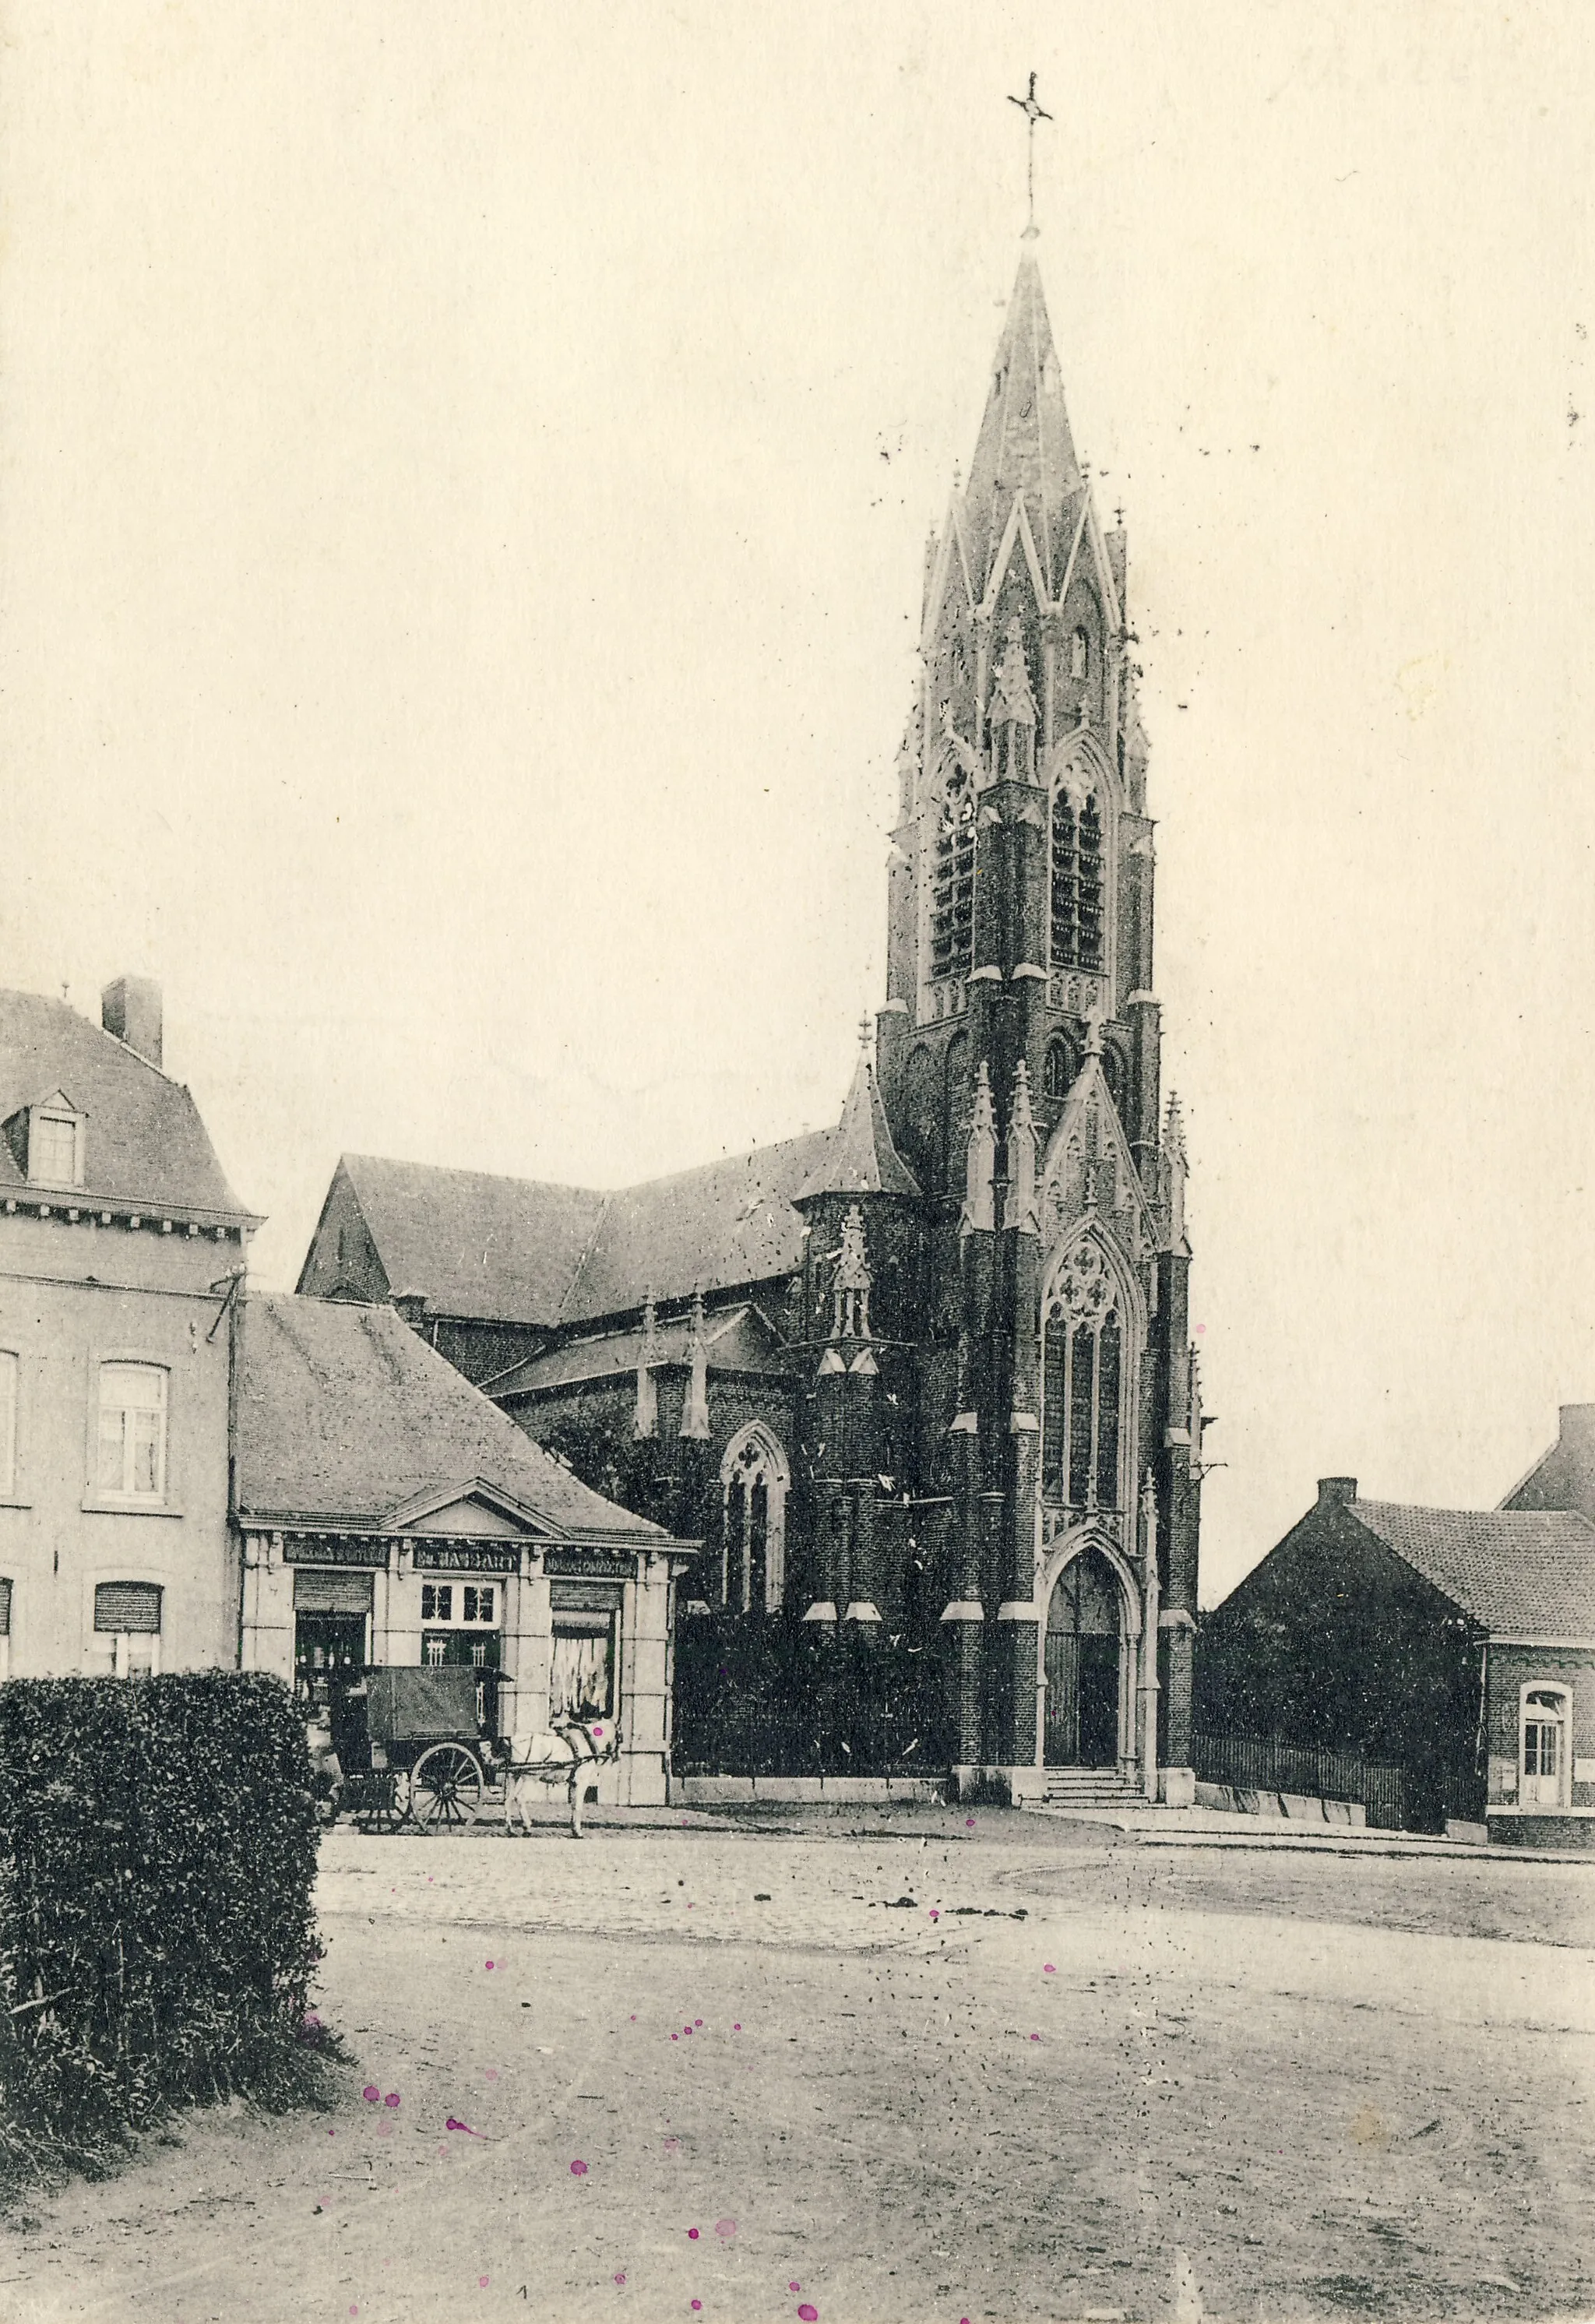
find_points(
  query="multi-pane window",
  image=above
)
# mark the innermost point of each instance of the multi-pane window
(952, 908)
(477, 1601)
(127, 1623)
(52, 1149)
(1058, 1073)
(132, 1431)
(1082, 1384)
(1076, 882)
(753, 1486)
(8, 1377)
(1544, 1722)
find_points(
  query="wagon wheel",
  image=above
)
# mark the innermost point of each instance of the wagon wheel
(383, 1806)
(446, 1788)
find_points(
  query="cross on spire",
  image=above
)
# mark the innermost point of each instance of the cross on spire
(1033, 113)
(866, 1032)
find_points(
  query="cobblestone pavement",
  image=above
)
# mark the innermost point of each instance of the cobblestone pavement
(932, 2067)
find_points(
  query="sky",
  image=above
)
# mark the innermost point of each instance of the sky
(463, 482)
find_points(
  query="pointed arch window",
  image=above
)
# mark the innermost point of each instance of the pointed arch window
(753, 1480)
(952, 904)
(1076, 880)
(1057, 1077)
(1082, 1384)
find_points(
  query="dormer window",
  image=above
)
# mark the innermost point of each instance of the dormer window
(55, 1143)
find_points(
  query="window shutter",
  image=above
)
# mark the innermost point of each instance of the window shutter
(127, 1606)
(4, 1610)
(332, 1593)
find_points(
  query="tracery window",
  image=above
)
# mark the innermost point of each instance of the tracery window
(952, 910)
(1082, 1384)
(752, 1531)
(1076, 880)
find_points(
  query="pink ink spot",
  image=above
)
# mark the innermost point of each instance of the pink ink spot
(621, 2277)
(809, 2313)
(935, 1914)
(384, 2130)
(692, 2234)
(443, 2154)
(482, 2283)
(725, 2228)
(598, 1730)
(492, 2074)
(391, 2099)
(371, 2094)
(633, 2017)
(698, 2021)
(452, 2124)
(794, 2287)
(697, 2303)
(675, 2037)
(970, 1821)
(686, 2029)
(1035, 2037)
(490, 1964)
(1049, 1968)
(578, 2170)
(736, 2028)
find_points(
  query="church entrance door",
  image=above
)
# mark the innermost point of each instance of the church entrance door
(1083, 1656)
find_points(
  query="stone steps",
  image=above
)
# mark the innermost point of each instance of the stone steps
(1092, 1787)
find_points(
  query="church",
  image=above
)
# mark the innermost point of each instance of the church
(922, 1383)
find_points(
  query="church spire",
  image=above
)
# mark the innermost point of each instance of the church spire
(1024, 445)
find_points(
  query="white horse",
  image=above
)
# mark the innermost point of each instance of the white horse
(562, 1755)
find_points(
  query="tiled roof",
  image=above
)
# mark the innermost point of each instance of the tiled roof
(513, 1250)
(725, 1224)
(498, 1249)
(741, 1341)
(1518, 1572)
(143, 1141)
(346, 1415)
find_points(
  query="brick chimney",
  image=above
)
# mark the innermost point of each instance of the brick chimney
(1336, 1492)
(131, 1010)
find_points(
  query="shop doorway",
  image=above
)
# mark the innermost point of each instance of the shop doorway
(331, 1631)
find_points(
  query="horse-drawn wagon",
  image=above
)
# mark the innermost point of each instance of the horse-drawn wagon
(409, 1752)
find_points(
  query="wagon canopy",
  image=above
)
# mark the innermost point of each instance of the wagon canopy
(410, 1705)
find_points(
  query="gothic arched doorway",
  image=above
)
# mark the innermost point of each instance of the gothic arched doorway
(1085, 1631)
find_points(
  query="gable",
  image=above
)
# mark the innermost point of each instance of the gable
(472, 1513)
(1088, 1169)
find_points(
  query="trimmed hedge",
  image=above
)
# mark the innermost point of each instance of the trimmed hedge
(157, 1941)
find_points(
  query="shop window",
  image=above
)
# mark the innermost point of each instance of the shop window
(133, 1431)
(581, 1676)
(1543, 1749)
(128, 1627)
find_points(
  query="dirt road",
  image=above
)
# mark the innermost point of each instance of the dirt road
(958, 2069)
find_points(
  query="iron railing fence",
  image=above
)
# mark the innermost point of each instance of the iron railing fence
(1264, 1762)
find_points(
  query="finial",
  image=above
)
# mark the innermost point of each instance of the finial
(866, 1033)
(1033, 114)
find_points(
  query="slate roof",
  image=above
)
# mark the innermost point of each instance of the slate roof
(859, 1157)
(1518, 1572)
(740, 1341)
(344, 1416)
(519, 1250)
(143, 1141)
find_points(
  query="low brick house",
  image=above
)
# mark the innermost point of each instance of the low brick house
(1456, 1645)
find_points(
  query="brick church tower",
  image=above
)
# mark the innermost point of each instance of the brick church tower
(1058, 1405)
